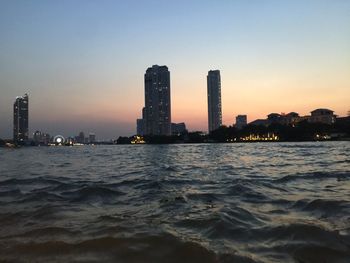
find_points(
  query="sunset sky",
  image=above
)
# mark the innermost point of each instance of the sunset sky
(83, 62)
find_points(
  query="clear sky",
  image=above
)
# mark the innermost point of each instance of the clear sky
(83, 62)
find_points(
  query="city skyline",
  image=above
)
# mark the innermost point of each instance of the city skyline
(156, 118)
(83, 67)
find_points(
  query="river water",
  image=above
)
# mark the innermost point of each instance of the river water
(257, 202)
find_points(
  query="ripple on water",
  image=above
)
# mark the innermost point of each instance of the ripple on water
(280, 202)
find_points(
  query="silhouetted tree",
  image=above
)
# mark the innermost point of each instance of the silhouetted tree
(196, 137)
(253, 129)
(302, 131)
(123, 140)
(161, 139)
(222, 134)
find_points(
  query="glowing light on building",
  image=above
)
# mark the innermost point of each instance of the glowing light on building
(256, 138)
(138, 140)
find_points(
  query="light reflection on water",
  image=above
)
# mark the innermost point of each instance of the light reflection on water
(262, 202)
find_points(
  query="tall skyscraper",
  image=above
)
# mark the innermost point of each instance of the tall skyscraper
(214, 100)
(157, 111)
(20, 119)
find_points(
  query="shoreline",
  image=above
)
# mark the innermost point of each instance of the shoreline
(13, 146)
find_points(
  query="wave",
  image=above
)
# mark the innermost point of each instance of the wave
(301, 232)
(194, 203)
(39, 196)
(252, 193)
(314, 176)
(91, 193)
(30, 181)
(44, 232)
(156, 248)
(324, 207)
(302, 145)
(11, 193)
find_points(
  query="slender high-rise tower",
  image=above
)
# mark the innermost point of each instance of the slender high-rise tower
(214, 100)
(20, 119)
(157, 111)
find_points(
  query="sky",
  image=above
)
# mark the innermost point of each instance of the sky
(83, 62)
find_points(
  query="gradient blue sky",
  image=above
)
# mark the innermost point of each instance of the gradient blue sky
(82, 62)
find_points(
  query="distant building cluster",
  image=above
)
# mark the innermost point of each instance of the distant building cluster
(82, 139)
(41, 138)
(21, 129)
(324, 116)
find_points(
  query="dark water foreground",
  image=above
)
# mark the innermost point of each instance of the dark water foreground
(263, 202)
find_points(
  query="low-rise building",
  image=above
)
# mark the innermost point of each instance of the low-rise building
(241, 121)
(81, 137)
(259, 122)
(41, 138)
(274, 118)
(178, 128)
(325, 116)
(92, 138)
(290, 119)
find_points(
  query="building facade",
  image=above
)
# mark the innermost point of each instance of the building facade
(157, 111)
(140, 123)
(20, 119)
(140, 127)
(214, 100)
(41, 138)
(274, 118)
(80, 138)
(92, 137)
(178, 128)
(241, 121)
(291, 119)
(325, 116)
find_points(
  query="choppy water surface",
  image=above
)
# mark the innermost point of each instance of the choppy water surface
(263, 202)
